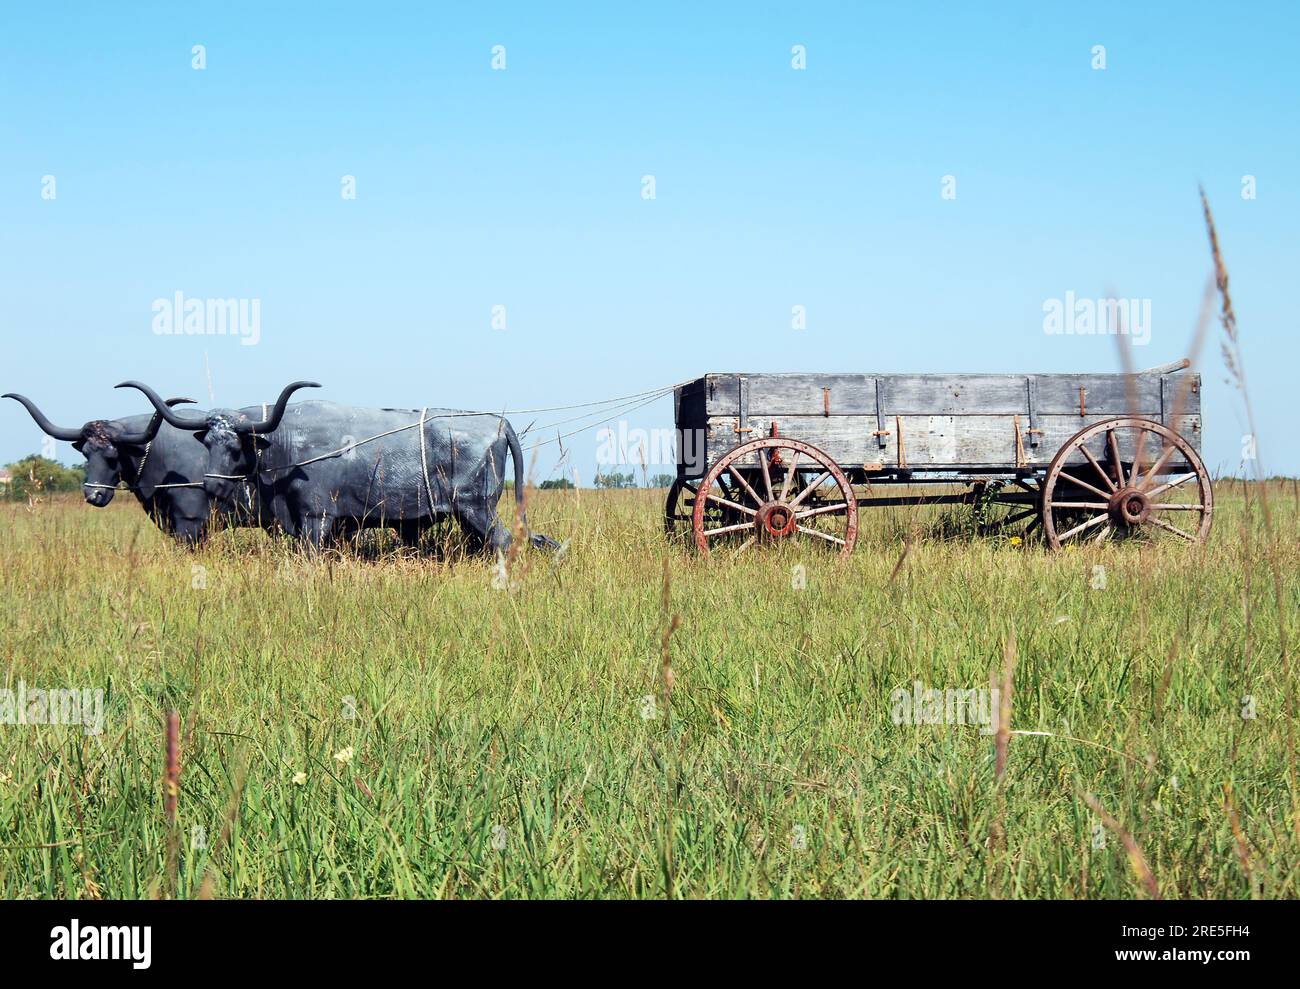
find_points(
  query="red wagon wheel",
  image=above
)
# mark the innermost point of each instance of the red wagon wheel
(772, 499)
(1135, 483)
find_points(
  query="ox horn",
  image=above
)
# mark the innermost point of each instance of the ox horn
(164, 408)
(271, 422)
(151, 430)
(58, 432)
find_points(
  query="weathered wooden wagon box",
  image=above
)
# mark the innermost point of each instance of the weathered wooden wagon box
(1096, 455)
(927, 422)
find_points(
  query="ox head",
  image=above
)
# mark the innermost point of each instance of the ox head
(232, 439)
(105, 443)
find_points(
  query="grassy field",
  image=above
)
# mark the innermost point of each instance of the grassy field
(397, 727)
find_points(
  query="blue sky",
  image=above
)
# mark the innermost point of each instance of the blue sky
(522, 188)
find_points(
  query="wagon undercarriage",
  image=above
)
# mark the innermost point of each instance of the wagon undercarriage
(1130, 475)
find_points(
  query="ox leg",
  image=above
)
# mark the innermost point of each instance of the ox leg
(484, 530)
(316, 532)
(190, 532)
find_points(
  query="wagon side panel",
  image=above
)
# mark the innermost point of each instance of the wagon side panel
(981, 422)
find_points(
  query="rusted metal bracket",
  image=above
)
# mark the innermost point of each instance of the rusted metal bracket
(1020, 443)
(1083, 402)
(739, 429)
(902, 449)
(826, 401)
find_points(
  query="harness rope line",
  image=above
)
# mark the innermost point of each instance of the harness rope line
(630, 406)
(424, 463)
(621, 412)
(632, 400)
(656, 392)
(139, 473)
(421, 422)
(424, 418)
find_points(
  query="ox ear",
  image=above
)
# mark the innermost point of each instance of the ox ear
(78, 445)
(201, 435)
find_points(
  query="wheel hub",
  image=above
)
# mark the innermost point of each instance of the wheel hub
(1129, 507)
(775, 520)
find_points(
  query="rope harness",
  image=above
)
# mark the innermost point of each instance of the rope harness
(139, 473)
(424, 462)
(633, 402)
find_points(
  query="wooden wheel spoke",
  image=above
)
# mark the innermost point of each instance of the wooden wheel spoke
(1137, 459)
(1096, 466)
(1177, 507)
(1113, 445)
(790, 472)
(1084, 484)
(745, 545)
(731, 504)
(821, 535)
(839, 506)
(1078, 529)
(1155, 468)
(1162, 524)
(763, 458)
(811, 488)
(745, 484)
(710, 533)
(1169, 486)
(1094, 505)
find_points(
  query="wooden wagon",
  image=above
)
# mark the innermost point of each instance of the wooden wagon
(769, 457)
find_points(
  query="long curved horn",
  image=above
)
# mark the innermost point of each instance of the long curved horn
(271, 422)
(155, 423)
(164, 408)
(59, 433)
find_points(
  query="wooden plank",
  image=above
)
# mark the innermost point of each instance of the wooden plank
(1182, 393)
(954, 394)
(795, 394)
(941, 394)
(930, 441)
(941, 438)
(1107, 394)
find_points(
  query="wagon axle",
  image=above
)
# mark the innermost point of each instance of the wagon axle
(1129, 507)
(775, 520)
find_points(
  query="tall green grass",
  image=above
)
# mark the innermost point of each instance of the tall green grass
(455, 739)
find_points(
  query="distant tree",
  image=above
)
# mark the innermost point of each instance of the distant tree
(616, 480)
(556, 484)
(662, 480)
(35, 475)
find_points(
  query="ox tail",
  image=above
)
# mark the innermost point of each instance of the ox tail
(537, 539)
